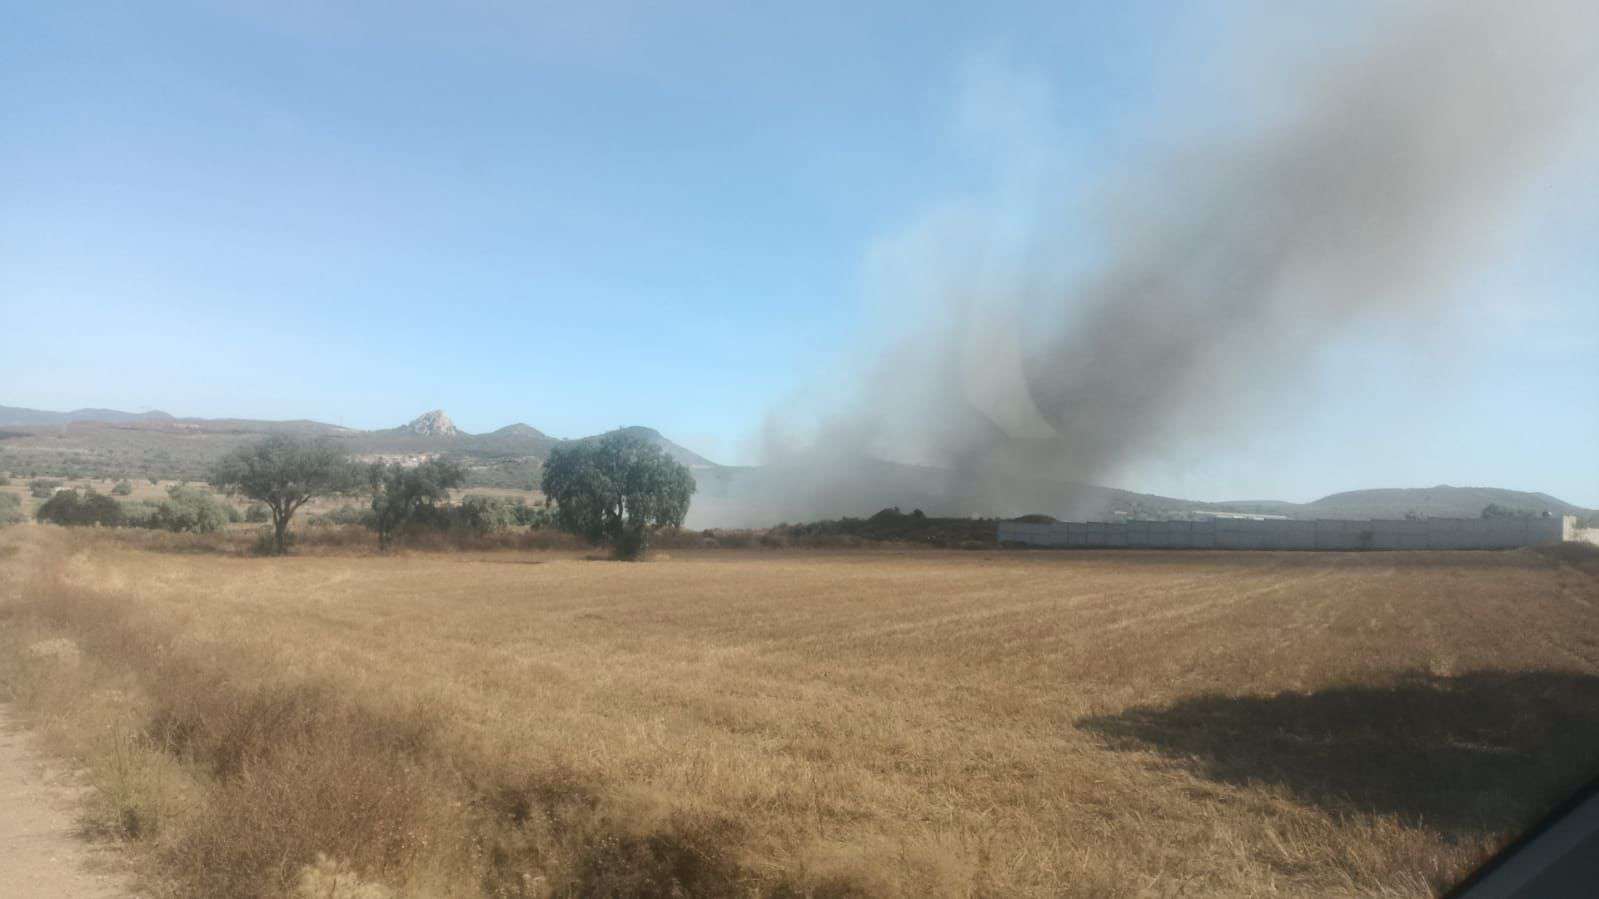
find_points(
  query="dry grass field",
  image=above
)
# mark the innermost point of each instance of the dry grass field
(805, 722)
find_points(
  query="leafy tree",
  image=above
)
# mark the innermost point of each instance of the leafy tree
(285, 472)
(400, 495)
(616, 490)
(73, 509)
(42, 488)
(257, 513)
(123, 488)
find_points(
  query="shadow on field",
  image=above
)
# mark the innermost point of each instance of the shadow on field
(1488, 750)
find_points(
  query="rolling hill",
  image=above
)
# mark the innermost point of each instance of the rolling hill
(17, 416)
(1442, 501)
(107, 443)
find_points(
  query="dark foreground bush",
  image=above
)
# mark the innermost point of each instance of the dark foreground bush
(75, 509)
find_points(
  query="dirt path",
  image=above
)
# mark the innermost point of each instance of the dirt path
(41, 855)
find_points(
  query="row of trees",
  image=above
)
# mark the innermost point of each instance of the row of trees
(615, 490)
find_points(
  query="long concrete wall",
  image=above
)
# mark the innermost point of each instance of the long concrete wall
(1430, 533)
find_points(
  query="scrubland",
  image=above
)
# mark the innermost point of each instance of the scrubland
(779, 722)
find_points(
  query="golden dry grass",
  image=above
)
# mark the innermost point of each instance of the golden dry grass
(810, 722)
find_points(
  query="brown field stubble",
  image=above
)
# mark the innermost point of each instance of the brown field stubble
(896, 723)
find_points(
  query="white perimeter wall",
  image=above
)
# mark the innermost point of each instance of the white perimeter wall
(1430, 533)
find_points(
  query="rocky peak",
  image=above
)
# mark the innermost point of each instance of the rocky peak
(433, 424)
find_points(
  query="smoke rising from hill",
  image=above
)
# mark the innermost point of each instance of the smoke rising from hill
(1213, 271)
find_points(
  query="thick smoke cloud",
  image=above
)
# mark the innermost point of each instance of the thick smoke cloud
(1214, 272)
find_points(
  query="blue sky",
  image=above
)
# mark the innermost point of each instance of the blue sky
(588, 215)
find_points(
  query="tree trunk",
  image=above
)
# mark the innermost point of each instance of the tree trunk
(280, 526)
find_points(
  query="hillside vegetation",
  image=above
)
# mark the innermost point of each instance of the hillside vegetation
(155, 445)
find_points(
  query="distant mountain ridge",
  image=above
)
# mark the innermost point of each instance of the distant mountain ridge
(17, 416)
(728, 495)
(430, 432)
(184, 447)
(1442, 501)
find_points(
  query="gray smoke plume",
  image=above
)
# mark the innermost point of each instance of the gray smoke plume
(1216, 271)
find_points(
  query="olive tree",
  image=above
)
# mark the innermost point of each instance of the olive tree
(401, 494)
(616, 490)
(284, 472)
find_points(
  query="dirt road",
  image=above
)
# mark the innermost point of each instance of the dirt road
(41, 855)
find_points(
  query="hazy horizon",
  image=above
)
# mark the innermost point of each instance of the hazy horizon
(705, 222)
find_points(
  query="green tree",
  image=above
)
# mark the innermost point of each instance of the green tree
(1494, 510)
(400, 495)
(123, 488)
(616, 490)
(284, 473)
(190, 509)
(73, 509)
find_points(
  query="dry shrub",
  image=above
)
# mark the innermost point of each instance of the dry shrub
(1582, 556)
(552, 834)
(138, 791)
(337, 793)
(690, 857)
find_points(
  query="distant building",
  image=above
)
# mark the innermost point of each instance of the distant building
(404, 460)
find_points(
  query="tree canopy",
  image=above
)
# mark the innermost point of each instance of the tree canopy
(1494, 510)
(616, 490)
(401, 494)
(69, 507)
(284, 472)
